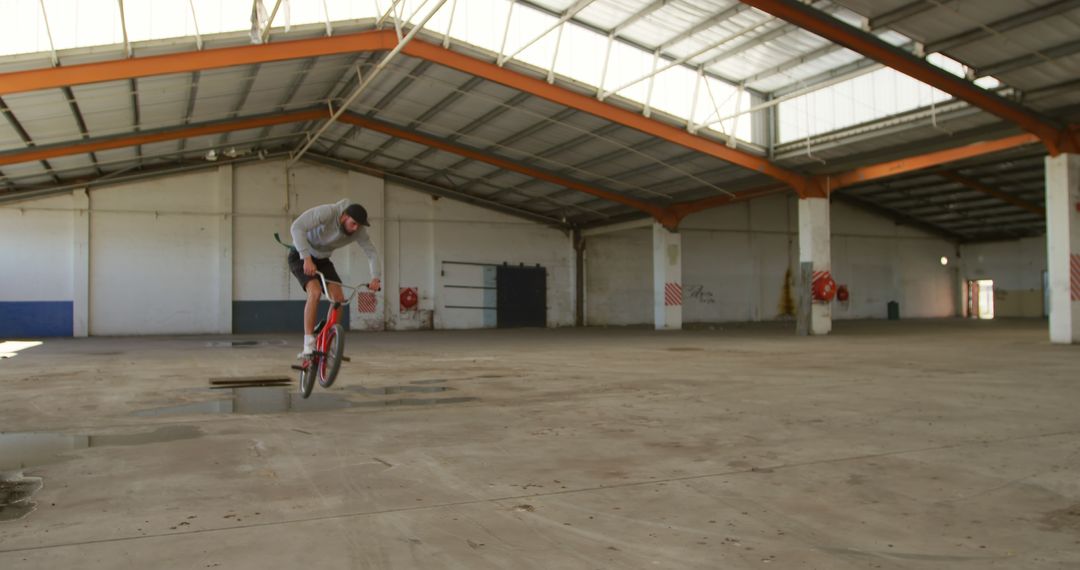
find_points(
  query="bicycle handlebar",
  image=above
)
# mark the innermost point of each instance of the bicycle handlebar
(355, 289)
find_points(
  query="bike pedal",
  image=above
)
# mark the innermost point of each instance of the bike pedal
(295, 367)
(346, 359)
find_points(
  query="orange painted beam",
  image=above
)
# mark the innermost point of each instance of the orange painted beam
(1003, 196)
(565, 97)
(683, 209)
(54, 77)
(652, 209)
(835, 182)
(837, 31)
(66, 149)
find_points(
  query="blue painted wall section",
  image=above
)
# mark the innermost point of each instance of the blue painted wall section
(275, 316)
(34, 319)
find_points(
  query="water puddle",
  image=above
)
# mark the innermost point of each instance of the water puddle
(277, 400)
(415, 402)
(19, 451)
(244, 343)
(27, 449)
(388, 390)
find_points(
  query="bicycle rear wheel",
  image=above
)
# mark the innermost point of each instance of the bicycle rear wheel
(307, 377)
(331, 363)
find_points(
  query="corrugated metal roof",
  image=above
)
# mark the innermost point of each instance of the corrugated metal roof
(731, 40)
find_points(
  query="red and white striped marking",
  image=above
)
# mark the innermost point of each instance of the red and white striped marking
(1074, 277)
(366, 302)
(672, 294)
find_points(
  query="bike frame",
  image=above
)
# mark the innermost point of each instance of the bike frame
(333, 314)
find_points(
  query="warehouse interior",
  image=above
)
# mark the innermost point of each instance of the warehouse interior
(665, 283)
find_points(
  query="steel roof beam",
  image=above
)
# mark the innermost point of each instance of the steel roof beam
(912, 163)
(606, 111)
(381, 104)
(26, 139)
(1035, 58)
(899, 217)
(187, 62)
(483, 120)
(1051, 134)
(374, 41)
(438, 190)
(81, 122)
(158, 135)
(245, 92)
(473, 154)
(967, 37)
(990, 191)
(1003, 25)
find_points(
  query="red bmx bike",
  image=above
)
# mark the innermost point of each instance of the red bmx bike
(325, 360)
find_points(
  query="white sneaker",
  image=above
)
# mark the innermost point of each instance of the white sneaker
(306, 353)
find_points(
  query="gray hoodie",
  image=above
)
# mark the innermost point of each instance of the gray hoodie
(317, 232)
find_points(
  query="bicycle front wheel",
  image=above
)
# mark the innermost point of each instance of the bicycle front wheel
(331, 363)
(307, 377)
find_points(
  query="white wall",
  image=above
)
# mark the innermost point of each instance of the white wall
(37, 256)
(170, 255)
(1016, 267)
(735, 260)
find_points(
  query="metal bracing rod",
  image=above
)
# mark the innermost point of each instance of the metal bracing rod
(326, 17)
(506, 33)
(603, 72)
(693, 101)
(808, 89)
(566, 16)
(679, 61)
(449, 25)
(387, 13)
(48, 32)
(555, 55)
(270, 23)
(365, 83)
(633, 18)
(123, 27)
(704, 24)
(195, 19)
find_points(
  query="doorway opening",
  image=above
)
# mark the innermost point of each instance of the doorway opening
(981, 299)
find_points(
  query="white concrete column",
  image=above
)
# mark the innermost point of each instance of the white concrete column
(225, 248)
(1063, 246)
(667, 278)
(814, 247)
(80, 271)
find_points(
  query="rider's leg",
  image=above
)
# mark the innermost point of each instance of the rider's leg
(314, 292)
(335, 292)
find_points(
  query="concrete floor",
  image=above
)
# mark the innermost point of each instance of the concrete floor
(934, 444)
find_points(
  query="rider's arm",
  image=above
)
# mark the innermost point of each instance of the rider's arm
(364, 241)
(308, 221)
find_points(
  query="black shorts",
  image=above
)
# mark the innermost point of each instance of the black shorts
(296, 266)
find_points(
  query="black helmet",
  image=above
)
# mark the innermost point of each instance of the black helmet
(357, 213)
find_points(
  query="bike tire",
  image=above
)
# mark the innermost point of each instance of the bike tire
(331, 363)
(307, 378)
